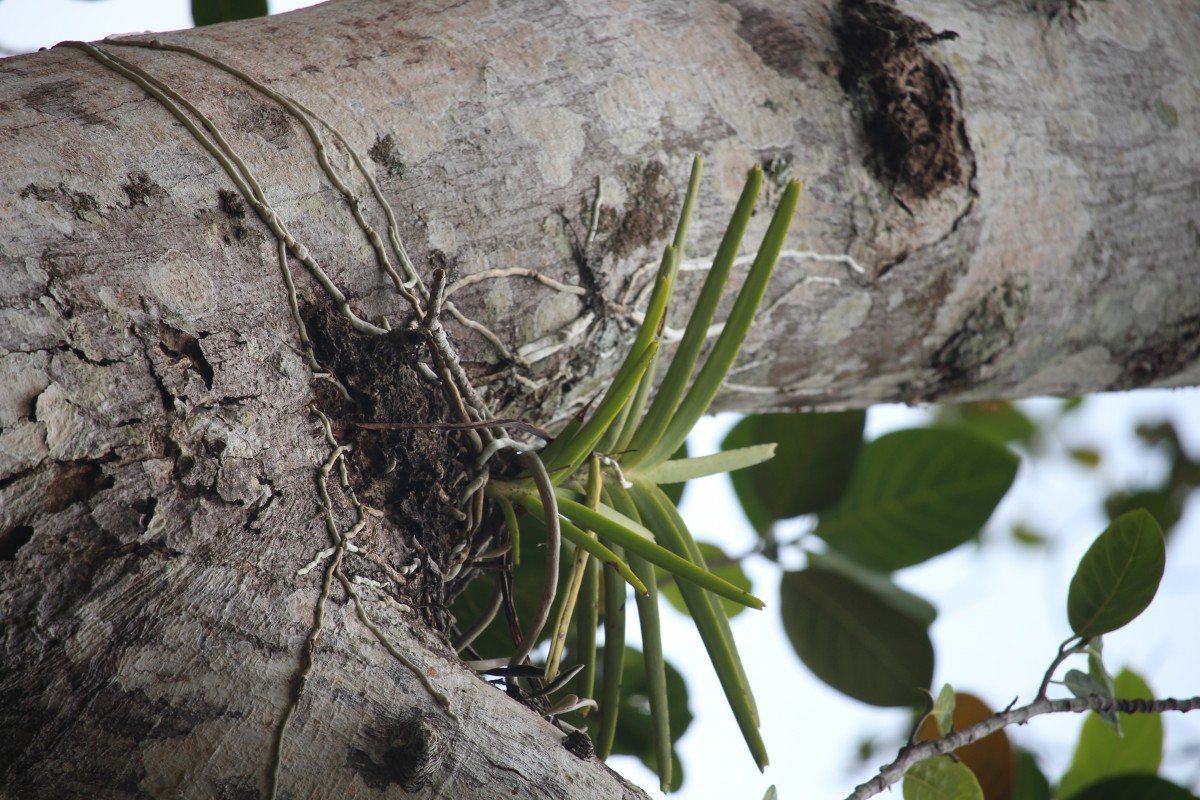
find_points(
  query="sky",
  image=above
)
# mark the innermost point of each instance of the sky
(1001, 606)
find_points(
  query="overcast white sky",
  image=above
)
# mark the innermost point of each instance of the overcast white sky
(1002, 607)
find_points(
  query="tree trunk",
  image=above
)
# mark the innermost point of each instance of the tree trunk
(1012, 212)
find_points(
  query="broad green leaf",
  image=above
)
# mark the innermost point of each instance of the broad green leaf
(813, 461)
(684, 469)
(997, 420)
(915, 494)
(943, 710)
(878, 583)
(1159, 501)
(1135, 787)
(1103, 753)
(941, 778)
(1030, 783)
(210, 12)
(990, 758)
(1099, 673)
(720, 565)
(1118, 575)
(853, 640)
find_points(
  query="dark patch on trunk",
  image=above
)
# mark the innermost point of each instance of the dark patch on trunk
(231, 215)
(81, 204)
(141, 191)
(262, 119)
(987, 331)
(406, 473)
(184, 353)
(906, 99)
(383, 153)
(74, 482)
(408, 755)
(12, 540)
(775, 39)
(60, 99)
(1170, 349)
(649, 213)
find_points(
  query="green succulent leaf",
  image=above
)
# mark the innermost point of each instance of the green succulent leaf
(814, 457)
(855, 641)
(720, 565)
(915, 494)
(635, 725)
(710, 622)
(941, 778)
(610, 524)
(698, 399)
(683, 364)
(1118, 576)
(685, 469)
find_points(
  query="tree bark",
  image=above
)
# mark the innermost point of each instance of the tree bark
(1011, 208)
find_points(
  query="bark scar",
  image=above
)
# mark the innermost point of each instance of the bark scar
(906, 99)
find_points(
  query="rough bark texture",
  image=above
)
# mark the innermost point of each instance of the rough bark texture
(1020, 196)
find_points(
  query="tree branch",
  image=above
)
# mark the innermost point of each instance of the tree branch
(1017, 716)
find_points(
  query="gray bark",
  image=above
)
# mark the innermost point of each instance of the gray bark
(1021, 200)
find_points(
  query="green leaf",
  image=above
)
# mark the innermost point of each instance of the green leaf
(695, 336)
(1081, 684)
(878, 583)
(712, 374)
(813, 462)
(675, 490)
(941, 778)
(1118, 575)
(915, 494)
(1103, 753)
(725, 568)
(710, 623)
(1030, 783)
(943, 710)
(684, 469)
(210, 12)
(1135, 787)
(620, 529)
(855, 641)
(771, 793)
(634, 733)
(997, 420)
(578, 537)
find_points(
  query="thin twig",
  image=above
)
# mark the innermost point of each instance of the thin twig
(894, 771)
